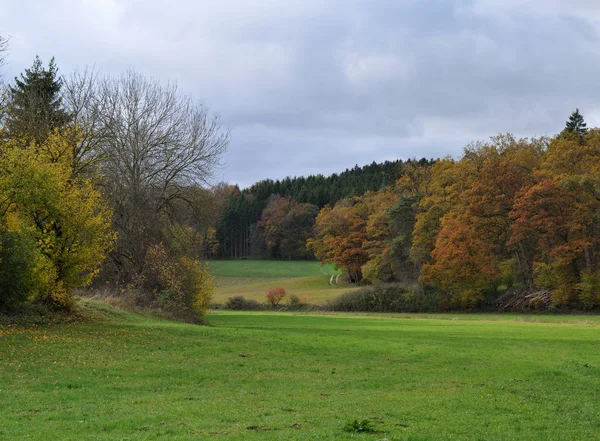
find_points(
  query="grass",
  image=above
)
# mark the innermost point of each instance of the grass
(315, 289)
(253, 278)
(278, 376)
(269, 268)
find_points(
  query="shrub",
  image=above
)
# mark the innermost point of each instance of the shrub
(197, 285)
(239, 303)
(589, 289)
(185, 283)
(392, 297)
(294, 302)
(544, 276)
(364, 426)
(275, 295)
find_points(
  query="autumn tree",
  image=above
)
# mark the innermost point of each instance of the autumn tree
(339, 236)
(379, 235)
(462, 266)
(66, 217)
(471, 248)
(555, 220)
(402, 218)
(448, 180)
(285, 226)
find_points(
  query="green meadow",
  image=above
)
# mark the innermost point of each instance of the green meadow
(270, 268)
(309, 280)
(284, 376)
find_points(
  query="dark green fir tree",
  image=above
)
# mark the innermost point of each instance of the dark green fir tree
(576, 124)
(35, 103)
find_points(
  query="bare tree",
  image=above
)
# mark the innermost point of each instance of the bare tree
(154, 144)
(81, 98)
(3, 92)
(3, 50)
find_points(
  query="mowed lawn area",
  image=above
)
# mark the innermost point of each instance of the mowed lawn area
(283, 376)
(309, 280)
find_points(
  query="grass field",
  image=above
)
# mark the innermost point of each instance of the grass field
(253, 278)
(270, 268)
(276, 376)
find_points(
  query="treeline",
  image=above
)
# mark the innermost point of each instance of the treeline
(101, 179)
(512, 216)
(273, 219)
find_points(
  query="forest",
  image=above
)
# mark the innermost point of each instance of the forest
(510, 218)
(274, 219)
(107, 181)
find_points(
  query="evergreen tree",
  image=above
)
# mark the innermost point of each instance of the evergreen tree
(576, 124)
(35, 105)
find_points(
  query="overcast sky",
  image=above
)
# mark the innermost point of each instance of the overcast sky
(310, 86)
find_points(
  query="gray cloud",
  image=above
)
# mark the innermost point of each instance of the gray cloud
(317, 86)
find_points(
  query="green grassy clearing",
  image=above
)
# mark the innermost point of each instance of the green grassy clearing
(314, 289)
(276, 376)
(269, 268)
(253, 278)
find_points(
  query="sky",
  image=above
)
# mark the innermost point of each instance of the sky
(315, 86)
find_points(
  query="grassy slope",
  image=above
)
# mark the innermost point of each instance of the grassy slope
(269, 268)
(253, 278)
(300, 377)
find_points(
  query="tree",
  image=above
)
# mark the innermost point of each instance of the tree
(339, 235)
(380, 232)
(3, 49)
(66, 217)
(543, 216)
(576, 124)
(154, 143)
(82, 100)
(462, 264)
(35, 104)
(286, 225)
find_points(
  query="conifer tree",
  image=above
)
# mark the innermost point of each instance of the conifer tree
(35, 104)
(576, 124)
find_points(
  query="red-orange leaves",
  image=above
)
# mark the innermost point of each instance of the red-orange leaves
(462, 263)
(542, 212)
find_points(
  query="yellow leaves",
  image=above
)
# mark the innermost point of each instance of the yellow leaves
(183, 281)
(66, 216)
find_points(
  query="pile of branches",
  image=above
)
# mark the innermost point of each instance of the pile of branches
(525, 301)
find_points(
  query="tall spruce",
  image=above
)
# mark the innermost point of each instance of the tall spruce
(576, 124)
(35, 104)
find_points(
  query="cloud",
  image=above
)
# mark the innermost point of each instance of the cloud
(315, 86)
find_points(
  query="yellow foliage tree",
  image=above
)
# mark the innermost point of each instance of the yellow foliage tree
(68, 219)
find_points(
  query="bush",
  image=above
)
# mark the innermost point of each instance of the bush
(589, 289)
(197, 285)
(294, 302)
(239, 303)
(356, 426)
(275, 295)
(393, 297)
(183, 282)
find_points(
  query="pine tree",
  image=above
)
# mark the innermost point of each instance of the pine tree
(35, 105)
(576, 124)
